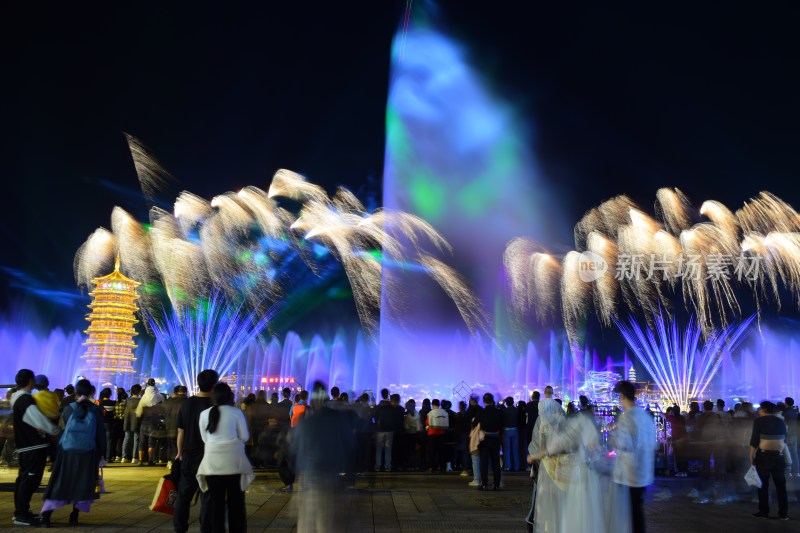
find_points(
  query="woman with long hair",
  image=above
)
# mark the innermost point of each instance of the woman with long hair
(81, 450)
(225, 472)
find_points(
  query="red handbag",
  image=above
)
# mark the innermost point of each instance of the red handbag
(165, 496)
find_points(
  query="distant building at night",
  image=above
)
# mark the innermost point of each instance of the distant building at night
(109, 348)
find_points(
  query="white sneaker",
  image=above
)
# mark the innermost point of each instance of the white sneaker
(474, 483)
(125, 461)
(464, 473)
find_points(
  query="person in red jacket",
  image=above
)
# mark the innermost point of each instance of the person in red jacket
(437, 423)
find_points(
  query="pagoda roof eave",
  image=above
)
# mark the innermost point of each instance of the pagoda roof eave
(116, 276)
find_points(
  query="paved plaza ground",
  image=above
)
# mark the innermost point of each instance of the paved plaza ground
(396, 502)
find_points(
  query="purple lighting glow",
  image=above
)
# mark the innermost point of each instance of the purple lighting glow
(681, 368)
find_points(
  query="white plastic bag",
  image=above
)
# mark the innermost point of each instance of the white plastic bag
(752, 479)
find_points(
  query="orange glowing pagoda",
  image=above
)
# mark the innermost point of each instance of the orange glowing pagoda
(109, 348)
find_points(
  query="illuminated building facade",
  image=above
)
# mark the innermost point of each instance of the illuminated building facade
(109, 348)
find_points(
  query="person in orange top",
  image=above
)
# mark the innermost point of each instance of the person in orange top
(298, 410)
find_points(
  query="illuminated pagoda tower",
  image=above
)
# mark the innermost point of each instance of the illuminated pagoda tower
(109, 348)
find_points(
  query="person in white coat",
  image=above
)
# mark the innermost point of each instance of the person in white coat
(550, 485)
(634, 440)
(225, 472)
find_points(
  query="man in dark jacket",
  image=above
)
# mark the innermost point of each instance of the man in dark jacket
(190, 452)
(388, 423)
(281, 410)
(171, 408)
(130, 425)
(30, 426)
(491, 421)
(531, 414)
(791, 415)
(510, 436)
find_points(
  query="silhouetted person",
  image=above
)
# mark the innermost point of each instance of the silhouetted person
(766, 454)
(190, 452)
(323, 444)
(491, 420)
(531, 414)
(31, 428)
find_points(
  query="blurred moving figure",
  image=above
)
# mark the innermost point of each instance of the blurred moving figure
(635, 443)
(323, 444)
(257, 415)
(548, 497)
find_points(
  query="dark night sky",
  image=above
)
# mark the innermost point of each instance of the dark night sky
(622, 100)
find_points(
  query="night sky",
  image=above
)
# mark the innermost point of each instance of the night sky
(622, 100)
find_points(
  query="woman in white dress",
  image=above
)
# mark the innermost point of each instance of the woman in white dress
(576, 492)
(548, 496)
(225, 472)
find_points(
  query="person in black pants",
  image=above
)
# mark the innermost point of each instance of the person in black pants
(30, 428)
(286, 462)
(490, 419)
(766, 453)
(190, 452)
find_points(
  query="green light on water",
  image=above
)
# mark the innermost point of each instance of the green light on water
(428, 196)
(397, 136)
(473, 199)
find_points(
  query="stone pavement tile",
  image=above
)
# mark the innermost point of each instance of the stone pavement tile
(384, 513)
(360, 516)
(403, 504)
(425, 504)
(396, 502)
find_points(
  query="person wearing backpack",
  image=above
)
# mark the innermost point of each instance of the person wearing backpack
(81, 450)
